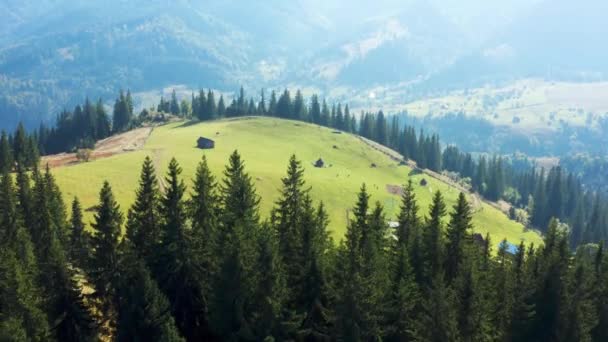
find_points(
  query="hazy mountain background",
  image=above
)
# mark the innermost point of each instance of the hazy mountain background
(54, 53)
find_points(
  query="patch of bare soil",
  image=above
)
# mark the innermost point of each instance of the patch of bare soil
(126, 142)
(394, 189)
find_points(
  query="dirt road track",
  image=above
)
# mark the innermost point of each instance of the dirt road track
(126, 142)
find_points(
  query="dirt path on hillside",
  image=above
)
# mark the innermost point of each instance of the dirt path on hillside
(121, 143)
(476, 202)
(159, 174)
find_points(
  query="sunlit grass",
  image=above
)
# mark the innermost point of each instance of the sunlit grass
(266, 145)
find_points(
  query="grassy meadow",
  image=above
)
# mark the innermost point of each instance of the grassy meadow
(266, 145)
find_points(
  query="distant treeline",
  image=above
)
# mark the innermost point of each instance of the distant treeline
(79, 128)
(206, 267)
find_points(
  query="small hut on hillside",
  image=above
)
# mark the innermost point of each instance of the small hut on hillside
(423, 182)
(205, 143)
(319, 163)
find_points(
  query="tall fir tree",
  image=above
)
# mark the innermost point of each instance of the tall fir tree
(144, 217)
(80, 239)
(23, 315)
(432, 240)
(204, 213)
(144, 313)
(457, 236)
(176, 270)
(104, 264)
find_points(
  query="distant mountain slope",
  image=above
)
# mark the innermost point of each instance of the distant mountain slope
(557, 40)
(77, 53)
(397, 47)
(53, 53)
(261, 142)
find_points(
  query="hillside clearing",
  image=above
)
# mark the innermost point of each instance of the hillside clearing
(265, 145)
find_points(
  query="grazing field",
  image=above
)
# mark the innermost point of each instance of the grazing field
(266, 144)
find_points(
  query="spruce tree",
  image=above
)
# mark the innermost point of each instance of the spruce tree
(315, 292)
(288, 224)
(272, 105)
(103, 266)
(176, 270)
(6, 155)
(143, 219)
(237, 194)
(438, 321)
(457, 235)
(315, 110)
(232, 287)
(103, 123)
(360, 279)
(580, 316)
(408, 219)
(79, 238)
(24, 197)
(270, 292)
(403, 298)
(71, 318)
(432, 238)
(144, 313)
(22, 310)
(600, 284)
(211, 107)
(20, 146)
(221, 107)
(174, 106)
(472, 317)
(204, 214)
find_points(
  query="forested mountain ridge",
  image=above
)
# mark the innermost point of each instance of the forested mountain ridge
(55, 53)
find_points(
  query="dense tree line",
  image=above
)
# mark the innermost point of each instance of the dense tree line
(87, 124)
(544, 194)
(80, 128)
(18, 150)
(200, 264)
(204, 106)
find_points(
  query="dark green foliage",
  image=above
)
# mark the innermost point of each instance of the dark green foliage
(291, 216)
(174, 105)
(22, 315)
(176, 269)
(143, 218)
(144, 313)
(363, 277)
(457, 235)
(206, 269)
(6, 155)
(404, 300)
(432, 239)
(234, 282)
(239, 201)
(123, 112)
(439, 320)
(103, 266)
(80, 239)
(270, 293)
(204, 214)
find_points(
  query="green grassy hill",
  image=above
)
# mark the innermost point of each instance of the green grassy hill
(266, 144)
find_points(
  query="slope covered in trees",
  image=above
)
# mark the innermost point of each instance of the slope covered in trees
(212, 269)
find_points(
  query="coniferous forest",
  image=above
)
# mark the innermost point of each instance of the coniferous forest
(196, 262)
